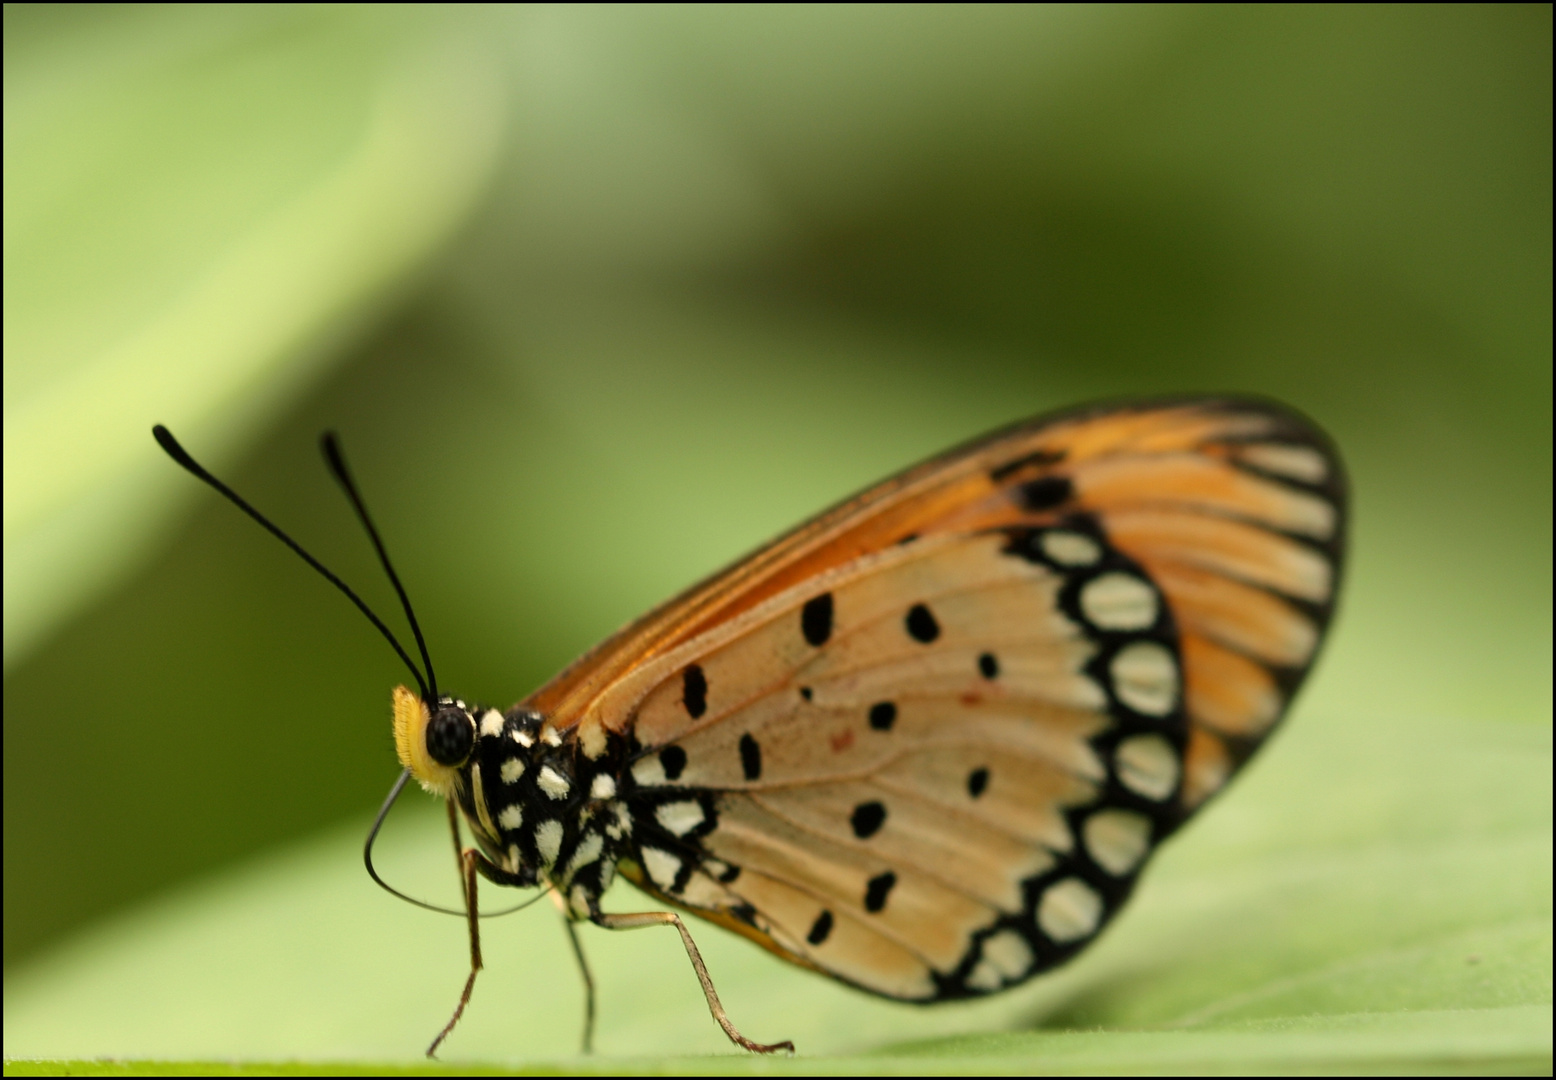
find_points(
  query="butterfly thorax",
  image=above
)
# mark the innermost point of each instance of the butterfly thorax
(542, 811)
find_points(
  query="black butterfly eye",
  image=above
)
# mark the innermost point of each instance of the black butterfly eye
(450, 735)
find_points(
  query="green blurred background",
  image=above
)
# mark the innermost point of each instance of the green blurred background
(600, 298)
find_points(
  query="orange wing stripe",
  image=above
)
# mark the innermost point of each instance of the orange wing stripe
(1226, 547)
(1149, 431)
(1227, 692)
(1206, 767)
(1248, 619)
(1191, 480)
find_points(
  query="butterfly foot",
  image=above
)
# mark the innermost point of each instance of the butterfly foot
(786, 1048)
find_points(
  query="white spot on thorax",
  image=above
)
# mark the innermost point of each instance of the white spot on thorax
(1070, 548)
(512, 769)
(511, 817)
(1147, 765)
(523, 738)
(553, 783)
(680, 818)
(1069, 910)
(604, 787)
(1145, 677)
(622, 826)
(548, 841)
(491, 723)
(589, 849)
(551, 736)
(1118, 601)
(662, 866)
(1117, 839)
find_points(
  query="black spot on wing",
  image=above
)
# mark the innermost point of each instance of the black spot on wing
(988, 666)
(877, 890)
(694, 691)
(867, 819)
(750, 757)
(977, 782)
(816, 619)
(1045, 494)
(673, 760)
(883, 715)
(820, 928)
(921, 624)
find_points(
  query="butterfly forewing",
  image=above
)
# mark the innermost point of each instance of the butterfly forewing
(926, 742)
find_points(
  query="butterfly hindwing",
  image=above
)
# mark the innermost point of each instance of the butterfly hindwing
(926, 742)
(912, 786)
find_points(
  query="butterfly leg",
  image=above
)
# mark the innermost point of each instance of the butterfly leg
(662, 918)
(471, 862)
(588, 979)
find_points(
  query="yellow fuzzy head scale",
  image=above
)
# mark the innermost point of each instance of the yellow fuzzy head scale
(411, 717)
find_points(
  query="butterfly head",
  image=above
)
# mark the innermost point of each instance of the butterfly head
(433, 744)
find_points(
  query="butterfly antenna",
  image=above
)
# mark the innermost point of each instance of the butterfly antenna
(165, 439)
(330, 444)
(337, 463)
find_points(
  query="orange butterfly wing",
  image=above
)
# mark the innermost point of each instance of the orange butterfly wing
(1081, 627)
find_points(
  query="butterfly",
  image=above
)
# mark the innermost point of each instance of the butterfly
(925, 742)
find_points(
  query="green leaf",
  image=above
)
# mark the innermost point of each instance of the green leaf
(199, 204)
